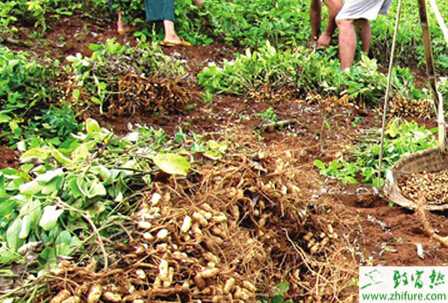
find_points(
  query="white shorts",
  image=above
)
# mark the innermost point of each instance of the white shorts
(363, 9)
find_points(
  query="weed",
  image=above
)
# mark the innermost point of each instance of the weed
(280, 292)
(361, 162)
(269, 115)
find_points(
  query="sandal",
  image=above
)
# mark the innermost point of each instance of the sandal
(175, 43)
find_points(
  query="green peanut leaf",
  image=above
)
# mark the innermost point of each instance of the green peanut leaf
(50, 217)
(172, 164)
(26, 227)
(38, 153)
(12, 234)
(50, 175)
(92, 126)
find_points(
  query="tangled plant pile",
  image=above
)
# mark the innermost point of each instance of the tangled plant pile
(125, 80)
(229, 232)
(72, 202)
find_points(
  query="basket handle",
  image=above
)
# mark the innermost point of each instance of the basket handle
(438, 100)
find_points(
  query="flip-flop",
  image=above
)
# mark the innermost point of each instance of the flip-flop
(175, 43)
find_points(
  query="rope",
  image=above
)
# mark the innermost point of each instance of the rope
(389, 84)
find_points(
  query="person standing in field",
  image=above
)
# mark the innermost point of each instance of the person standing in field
(334, 6)
(357, 13)
(163, 10)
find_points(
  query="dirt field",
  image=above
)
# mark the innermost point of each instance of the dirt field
(369, 230)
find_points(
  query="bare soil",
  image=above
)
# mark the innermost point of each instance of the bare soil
(8, 157)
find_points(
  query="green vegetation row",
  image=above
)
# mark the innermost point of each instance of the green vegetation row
(28, 88)
(285, 23)
(305, 71)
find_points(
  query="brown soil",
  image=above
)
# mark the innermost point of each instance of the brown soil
(383, 234)
(72, 35)
(69, 36)
(8, 157)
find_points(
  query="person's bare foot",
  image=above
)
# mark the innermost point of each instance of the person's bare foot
(121, 27)
(324, 41)
(173, 40)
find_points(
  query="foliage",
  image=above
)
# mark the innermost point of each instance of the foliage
(410, 48)
(251, 70)
(284, 23)
(250, 23)
(32, 12)
(362, 163)
(7, 19)
(53, 126)
(269, 115)
(306, 72)
(96, 78)
(52, 200)
(24, 89)
(59, 122)
(280, 292)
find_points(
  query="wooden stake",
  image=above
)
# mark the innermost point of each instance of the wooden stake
(430, 71)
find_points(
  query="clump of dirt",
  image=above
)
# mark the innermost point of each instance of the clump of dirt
(381, 234)
(8, 157)
(431, 187)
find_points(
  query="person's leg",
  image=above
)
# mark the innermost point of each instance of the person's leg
(365, 32)
(334, 6)
(170, 32)
(347, 43)
(315, 16)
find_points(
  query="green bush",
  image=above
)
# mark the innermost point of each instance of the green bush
(25, 89)
(409, 40)
(306, 72)
(251, 70)
(34, 12)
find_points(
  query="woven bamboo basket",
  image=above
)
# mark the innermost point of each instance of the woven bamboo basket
(430, 161)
